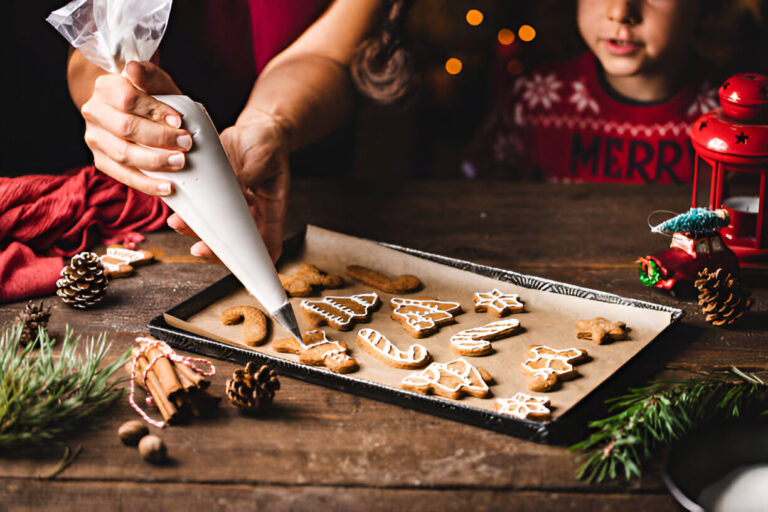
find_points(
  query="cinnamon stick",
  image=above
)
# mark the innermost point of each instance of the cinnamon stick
(163, 369)
(198, 380)
(155, 389)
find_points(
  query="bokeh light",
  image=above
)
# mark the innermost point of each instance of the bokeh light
(506, 36)
(514, 67)
(474, 17)
(526, 33)
(453, 66)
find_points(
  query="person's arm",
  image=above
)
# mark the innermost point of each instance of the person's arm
(302, 94)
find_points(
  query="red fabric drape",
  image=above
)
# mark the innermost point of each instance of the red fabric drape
(44, 218)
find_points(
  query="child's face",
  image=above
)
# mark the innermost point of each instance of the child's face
(638, 37)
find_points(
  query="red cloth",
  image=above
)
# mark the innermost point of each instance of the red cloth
(43, 218)
(561, 123)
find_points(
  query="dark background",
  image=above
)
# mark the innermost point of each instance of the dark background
(42, 130)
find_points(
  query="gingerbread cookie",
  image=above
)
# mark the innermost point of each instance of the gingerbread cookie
(401, 284)
(524, 406)
(601, 330)
(497, 303)
(450, 380)
(339, 312)
(306, 279)
(546, 365)
(422, 317)
(254, 323)
(381, 348)
(476, 341)
(119, 261)
(317, 350)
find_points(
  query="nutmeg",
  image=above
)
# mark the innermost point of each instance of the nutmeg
(131, 432)
(152, 449)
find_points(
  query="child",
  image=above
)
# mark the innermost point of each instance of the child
(618, 113)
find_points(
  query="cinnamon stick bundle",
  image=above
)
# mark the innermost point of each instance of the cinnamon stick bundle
(178, 392)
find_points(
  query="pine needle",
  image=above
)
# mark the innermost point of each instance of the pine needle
(46, 397)
(659, 413)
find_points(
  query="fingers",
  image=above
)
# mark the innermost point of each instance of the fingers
(150, 78)
(128, 154)
(131, 177)
(199, 249)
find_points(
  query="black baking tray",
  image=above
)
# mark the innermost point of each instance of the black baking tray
(564, 429)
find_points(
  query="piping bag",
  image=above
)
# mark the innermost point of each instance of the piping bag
(206, 194)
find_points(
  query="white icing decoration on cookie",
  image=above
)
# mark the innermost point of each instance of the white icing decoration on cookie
(340, 314)
(474, 341)
(555, 361)
(460, 376)
(414, 357)
(498, 301)
(423, 315)
(126, 255)
(523, 406)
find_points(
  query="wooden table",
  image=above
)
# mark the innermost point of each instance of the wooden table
(321, 448)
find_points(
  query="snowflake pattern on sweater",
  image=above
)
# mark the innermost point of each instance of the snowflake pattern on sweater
(559, 123)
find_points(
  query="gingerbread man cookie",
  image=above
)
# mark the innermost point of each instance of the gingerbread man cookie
(380, 347)
(476, 341)
(254, 323)
(450, 380)
(306, 279)
(401, 284)
(317, 350)
(546, 365)
(601, 330)
(422, 317)
(119, 261)
(524, 406)
(339, 312)
(497, 303)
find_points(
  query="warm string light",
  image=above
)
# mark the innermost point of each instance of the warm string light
(526, 33)
(474, 17)
(506, 36)
(453, 66)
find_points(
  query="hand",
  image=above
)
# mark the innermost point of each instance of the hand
(121, 114)
(258, 150)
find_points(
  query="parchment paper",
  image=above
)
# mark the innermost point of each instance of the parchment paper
(549, 319)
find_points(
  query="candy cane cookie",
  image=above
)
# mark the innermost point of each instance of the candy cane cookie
(381, 348)
(476, 341)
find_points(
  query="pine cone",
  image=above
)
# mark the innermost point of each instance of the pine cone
(32, 317)
(721, 297)
(252, 389)
(83, 282)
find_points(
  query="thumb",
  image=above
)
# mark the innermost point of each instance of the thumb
(150, 78)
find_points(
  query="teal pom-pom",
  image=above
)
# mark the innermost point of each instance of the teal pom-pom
(696, 222)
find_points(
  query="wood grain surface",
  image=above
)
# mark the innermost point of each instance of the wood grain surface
(324, 449)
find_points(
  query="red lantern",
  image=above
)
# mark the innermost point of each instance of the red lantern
(734, 138)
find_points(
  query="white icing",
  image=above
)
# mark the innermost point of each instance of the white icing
(415, 355)
(523, 405)
(498, 301)
(340, 314)
(429, 315)
(549, 355)
(468, 377)
(127, 255)
(474, 340)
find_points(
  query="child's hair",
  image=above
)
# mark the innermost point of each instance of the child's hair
(382, 68)
(728, 34)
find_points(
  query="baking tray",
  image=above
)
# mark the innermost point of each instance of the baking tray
(565, 427)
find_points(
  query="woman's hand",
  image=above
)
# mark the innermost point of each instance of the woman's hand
(258, 150)
(121, 116)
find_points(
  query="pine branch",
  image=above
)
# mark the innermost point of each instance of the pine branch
(45, 397)
(659, 413)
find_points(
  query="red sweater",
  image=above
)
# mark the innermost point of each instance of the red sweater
(561, 123)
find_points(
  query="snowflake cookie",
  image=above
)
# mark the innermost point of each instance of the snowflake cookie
(497, 303)
(524, 406)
